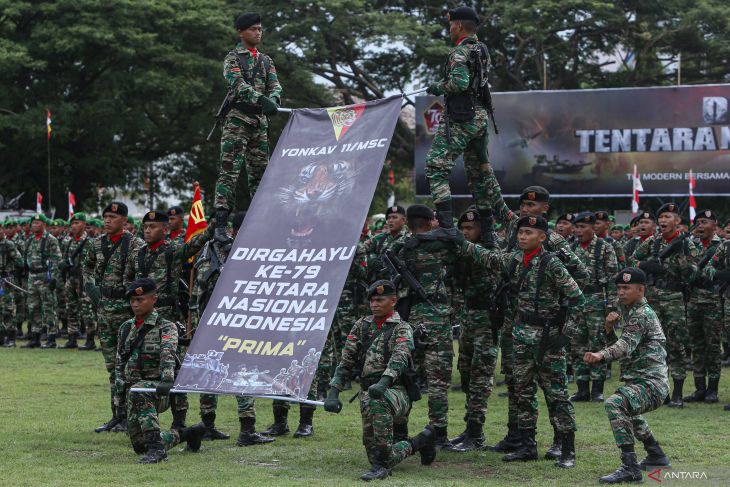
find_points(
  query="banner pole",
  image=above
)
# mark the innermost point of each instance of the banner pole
(263, 396)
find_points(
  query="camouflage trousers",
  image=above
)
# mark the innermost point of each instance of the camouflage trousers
(111, 314)
(437, 362)
(78, 307)
(7, 309)
(378, 416)
(326, 366)
(669, 308)
(21, 304)
(143, 409)
(626, 406)
(246, 405)
(705, 331)
(242, 145)
(60, 292)
(589, 336)
(506, 343)
(551, 375)
(469, 139)
(41, 305)
(477, 361)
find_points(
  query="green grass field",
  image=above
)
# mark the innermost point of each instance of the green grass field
(50, 402)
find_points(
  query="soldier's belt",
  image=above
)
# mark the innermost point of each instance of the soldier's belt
(113, 292)
(531, 319)
(667, 285)
(594, 290)
(248, 108)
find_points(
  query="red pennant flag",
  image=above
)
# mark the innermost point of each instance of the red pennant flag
(196, 219)
(48, 123)
(38, 203)
(71, 204)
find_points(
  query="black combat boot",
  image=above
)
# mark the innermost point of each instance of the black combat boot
(89, 344)
(248, 435)
(280, 426)
(19, 335)
(50, 342)
(528, 450)
(462, 436)
(109, 424)
(445, 214)
(212, 432)
(629, 471)
(556, 448)
(400, 432)
(700, 390)
(377, 472)
(305, 428)
(676, 401)
(474, 439)
(423, 443)
(511, 441)
(3, 338)
(34, 342)
(220, 233)
(567, 452)
(441, 438)
(121, 426)
(193, 436)
(584, 392)
(178, 418)
(711, 396)
(10, 342)
(155, 449)
(655, 457)
(71, 343)
(597, 391)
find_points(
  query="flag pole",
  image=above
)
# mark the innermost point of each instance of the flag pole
(191, 279)
(48, 152)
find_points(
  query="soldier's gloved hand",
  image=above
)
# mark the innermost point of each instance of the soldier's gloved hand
(434, 89)
(723, 275)
(93, 292)
(52, 284)
(377, 391)
(651, 267)
(268, 106)
(163, 388)
(333, 404)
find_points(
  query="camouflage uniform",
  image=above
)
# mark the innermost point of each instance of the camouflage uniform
(60, 292)
(244, 138)
(10, 260)
(21, 298)
(456, 138)
(150, 363)
(42, 256)
(378, 415)
(643, 369)
(113, 308)
(589, 336)
(78, 305)
(706, 331)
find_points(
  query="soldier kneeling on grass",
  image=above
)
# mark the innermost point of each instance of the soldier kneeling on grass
(378, 351)
(146, 359)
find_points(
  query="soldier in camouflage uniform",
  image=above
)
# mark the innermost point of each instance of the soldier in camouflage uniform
(78, 305)
(534, 201)
(10, 261)
(564, 226)
(208, 267)
(162, 261)
(644, 371)
(62, 236)
(176, 232)
(602, 231)
(21, 298)
(146, 358)
(42, 255)
(669, 271)
(103, 270)
(704, 313)
(256, 93)
(599, 257)
(463, 129)
(378, 351)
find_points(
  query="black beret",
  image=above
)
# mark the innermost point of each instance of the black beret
(645, 215)
(470, 215)
(381, 288)
(535, 193)
(155, 217)
(244, 21)
(568, 217)
(668, 208)
(537, 222)
(709, 214)
(635, 220)
(395, 209)
(140, 287)
(419, 211)
(602, 215)
(463, 13)
(585, 217)
(116, 207)
(175, 211)
(237, 219)
(631, 275)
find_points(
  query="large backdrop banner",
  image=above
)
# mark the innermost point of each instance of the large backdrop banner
(586, 142)
(263, 330)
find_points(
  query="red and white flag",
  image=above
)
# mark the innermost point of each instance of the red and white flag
(48, 123)
(637, 188)
(692, 202)
(71, 204)
(38, 203)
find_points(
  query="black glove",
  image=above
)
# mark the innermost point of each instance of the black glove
(377, 391)
(723, 275)
(52, 284)
(268, 106)
(163, 388)
(434, 89)
(333, 404)
(651, 267)
(93, 292)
